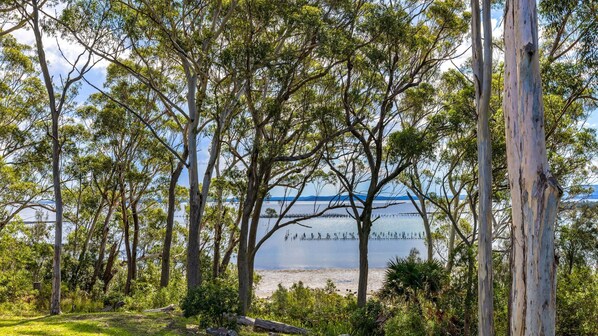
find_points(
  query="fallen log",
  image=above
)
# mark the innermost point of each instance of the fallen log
(166, 309)
(245, 321)
(265, 325)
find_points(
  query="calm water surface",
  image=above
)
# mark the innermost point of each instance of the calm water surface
(280, 253)
(297, 253)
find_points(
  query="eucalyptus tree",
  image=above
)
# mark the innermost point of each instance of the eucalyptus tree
(23, 170)
(187, 35)
(60, 96)
(135, 151)
(397, 46)
(284, 55)
(535, 193)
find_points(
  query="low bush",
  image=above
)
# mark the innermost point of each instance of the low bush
(210, 302)
(406, 322)
(322, 310)
(365, 321)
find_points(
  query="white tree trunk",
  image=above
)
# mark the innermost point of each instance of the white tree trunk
(482, 70)
(535, 193)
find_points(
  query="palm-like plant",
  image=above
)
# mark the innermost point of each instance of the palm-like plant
(408, 277)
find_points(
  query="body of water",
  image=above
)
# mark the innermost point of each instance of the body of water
(323, 242)
(330, 242)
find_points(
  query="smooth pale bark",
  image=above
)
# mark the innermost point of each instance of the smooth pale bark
(535, 193)
(482, 70)
(198, 201)
(55, 114)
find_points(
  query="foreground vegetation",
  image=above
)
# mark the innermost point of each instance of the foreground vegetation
(418, 298)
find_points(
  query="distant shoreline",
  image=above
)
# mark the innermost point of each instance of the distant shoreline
(345, 279)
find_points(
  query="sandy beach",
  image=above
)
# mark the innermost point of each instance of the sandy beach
(344, 279)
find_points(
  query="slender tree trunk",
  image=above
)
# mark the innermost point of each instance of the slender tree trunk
(255, 219)
(90, 233)
(55, 114)
(127, 236)
(108, 274)
(218, 226)
(362, 286)
(207, 177)
(174, 178)
(105, 230)
(423, 212)
(451, 249)
(248, 205)
(428, 231)
(228, 253)
(469, 292)
(535, 193)
(136, 225)
(56, 277)
(193, 265)
(482, 69)
(217, 240)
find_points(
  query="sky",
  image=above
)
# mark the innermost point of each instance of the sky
(59, 59)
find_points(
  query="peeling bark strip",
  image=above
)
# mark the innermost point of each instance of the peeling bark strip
(535, 193)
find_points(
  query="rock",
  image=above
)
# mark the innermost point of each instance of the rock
(217, 331)
(107, 308)
(265, 325)
(221, 332)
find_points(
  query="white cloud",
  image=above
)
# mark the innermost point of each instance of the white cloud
(61, 53)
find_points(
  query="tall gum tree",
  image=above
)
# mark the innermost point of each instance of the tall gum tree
(186, 35)
(287, 115)
(59, 93)
(535, 194)
(396, 46)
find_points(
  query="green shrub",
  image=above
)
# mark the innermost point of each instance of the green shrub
(321, 310)
(406, 322)
(211, 301)
(364, 321)
(79, 301)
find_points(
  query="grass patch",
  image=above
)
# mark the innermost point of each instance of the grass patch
(108, 324)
